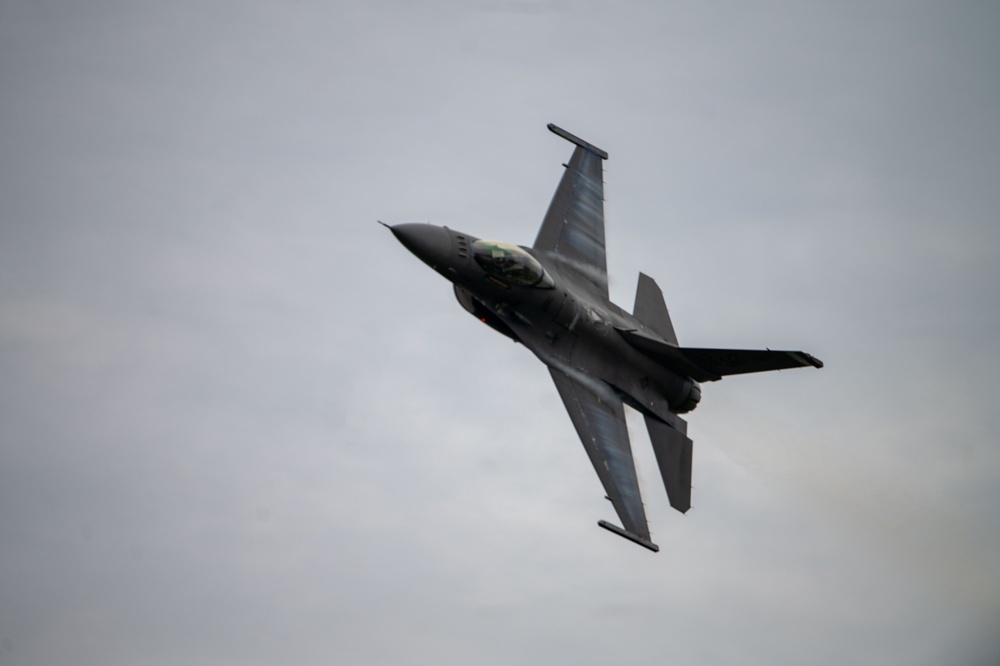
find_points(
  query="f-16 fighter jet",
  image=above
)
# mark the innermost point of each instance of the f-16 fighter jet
(552, 297)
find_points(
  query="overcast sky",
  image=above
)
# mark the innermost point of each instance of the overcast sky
(240, 424)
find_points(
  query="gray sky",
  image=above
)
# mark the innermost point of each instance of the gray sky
(240, 424)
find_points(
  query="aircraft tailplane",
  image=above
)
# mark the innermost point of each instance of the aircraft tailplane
(673, 452)
(709, 365)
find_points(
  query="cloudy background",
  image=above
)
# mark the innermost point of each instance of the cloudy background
(240, 424)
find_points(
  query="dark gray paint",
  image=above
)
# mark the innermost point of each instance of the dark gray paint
(600, 356)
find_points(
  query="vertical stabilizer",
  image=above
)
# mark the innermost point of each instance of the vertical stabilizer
(651, 310)
(673, 452)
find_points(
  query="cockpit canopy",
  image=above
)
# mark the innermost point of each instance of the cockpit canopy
(510, 264)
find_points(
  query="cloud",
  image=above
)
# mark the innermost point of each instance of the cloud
(202, 327)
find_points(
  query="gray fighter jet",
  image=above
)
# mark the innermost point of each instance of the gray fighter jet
(552, 297)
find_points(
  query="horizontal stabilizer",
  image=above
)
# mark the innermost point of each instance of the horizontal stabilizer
(673, 452)
(667, 355)
(709, 365)
(645, 543)
(740, 361)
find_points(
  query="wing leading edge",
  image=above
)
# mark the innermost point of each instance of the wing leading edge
(599, 418)
(573, 228)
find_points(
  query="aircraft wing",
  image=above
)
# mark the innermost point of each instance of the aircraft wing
(573, 228)
(599, 418)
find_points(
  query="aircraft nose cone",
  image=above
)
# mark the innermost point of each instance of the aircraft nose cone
(432, 244)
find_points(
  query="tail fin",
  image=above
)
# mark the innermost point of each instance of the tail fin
(651, 310)
(673, 452)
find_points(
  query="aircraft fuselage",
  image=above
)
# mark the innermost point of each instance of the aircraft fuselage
(560, 319)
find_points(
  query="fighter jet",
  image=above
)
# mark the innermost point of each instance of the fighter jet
(552, 298)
